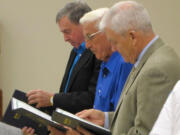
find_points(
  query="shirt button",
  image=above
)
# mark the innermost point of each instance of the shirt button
(99, 91)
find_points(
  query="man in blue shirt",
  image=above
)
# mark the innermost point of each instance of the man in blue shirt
(114, 71)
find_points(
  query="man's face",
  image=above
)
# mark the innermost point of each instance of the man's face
(98, 43)
(121, 43)
(72, 32)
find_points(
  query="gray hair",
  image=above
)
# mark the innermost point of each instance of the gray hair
(127, 15)
(93, 16)
(74, 11)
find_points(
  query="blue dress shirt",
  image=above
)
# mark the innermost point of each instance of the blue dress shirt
(112, 77)
(79, 52)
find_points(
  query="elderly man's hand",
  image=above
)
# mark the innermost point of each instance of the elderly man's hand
(54, 131)
(83, 131)
(28, 131)
(41, 97)
(92, 115)
(70, 131)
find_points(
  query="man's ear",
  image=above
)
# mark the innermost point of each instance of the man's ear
(132, 34)
(133, 37)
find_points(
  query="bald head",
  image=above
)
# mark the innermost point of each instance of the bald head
(126, 15)
(128, 27)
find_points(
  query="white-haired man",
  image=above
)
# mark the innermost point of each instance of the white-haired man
(156, 70)
(114, 71)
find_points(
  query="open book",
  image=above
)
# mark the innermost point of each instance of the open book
(15, 119)
(34, 114)
(73, 121)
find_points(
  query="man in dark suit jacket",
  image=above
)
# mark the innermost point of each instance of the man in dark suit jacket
(79, 81)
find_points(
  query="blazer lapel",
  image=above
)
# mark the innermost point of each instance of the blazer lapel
(82, 60)
(135, 71)
(68, 67)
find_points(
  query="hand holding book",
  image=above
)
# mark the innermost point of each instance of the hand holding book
(34, 114)
(92, 115)
(70, 131)
(39, 97)
(74, 121)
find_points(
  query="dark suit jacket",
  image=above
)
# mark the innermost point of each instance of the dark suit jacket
(82, 84)
(145, 91)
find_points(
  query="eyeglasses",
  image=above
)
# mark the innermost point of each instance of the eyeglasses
(90, 36)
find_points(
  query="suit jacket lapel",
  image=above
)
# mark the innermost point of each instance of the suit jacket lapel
(68, 67)
(135, 71)
(82, 60)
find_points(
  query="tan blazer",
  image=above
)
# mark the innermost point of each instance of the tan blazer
(145, 91)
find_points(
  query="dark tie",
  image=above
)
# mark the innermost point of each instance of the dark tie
(105, 72)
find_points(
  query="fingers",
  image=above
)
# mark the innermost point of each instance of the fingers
(32, 96)
(28, 131)
(72, 132)
(82, 113)
(41, 97)
(32, 99)
(85, 113)
(32, 92)
(50, 128)
(83, 131)
(54, 131)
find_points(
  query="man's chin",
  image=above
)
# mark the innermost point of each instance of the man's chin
(74, 45)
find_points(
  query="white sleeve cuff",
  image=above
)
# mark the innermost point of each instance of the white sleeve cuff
(106, 122)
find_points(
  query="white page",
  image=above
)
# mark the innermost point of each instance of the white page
(78, 118)
(16, 104)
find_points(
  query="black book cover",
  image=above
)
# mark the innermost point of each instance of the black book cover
(15, 119)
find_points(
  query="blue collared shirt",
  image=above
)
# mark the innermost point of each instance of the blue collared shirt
(79, 52)
(111, 82)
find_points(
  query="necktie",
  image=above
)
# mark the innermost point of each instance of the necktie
(105, 72)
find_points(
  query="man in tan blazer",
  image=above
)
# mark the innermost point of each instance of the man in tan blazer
(156, 70)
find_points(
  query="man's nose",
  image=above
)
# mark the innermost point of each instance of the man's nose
(113, 48)
(88, 45)
(66, 38)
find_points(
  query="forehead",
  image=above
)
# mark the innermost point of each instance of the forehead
(89, 27)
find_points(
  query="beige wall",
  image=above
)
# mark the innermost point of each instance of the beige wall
(32, 51)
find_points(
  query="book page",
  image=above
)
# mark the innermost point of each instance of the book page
(17, 104)
(77, 118)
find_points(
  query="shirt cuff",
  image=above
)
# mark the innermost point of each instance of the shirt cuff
(106, 122)
(51, 100)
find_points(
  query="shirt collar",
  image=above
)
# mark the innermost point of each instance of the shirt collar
(110, 63)
(81, 48)
(144, 50)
